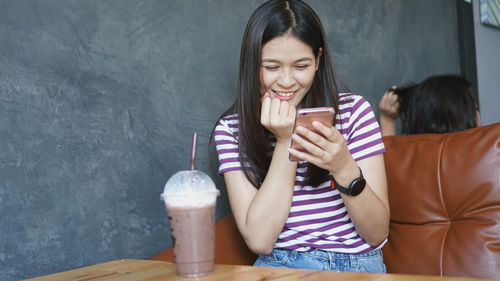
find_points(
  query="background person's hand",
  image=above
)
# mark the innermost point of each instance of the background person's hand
(389, 105)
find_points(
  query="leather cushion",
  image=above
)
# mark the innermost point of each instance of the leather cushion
(444, 195)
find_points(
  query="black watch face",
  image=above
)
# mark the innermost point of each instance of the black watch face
(357, 186)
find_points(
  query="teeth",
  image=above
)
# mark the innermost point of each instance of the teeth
(285, 94)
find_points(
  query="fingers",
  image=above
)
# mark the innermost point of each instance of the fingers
(329, 132)
(388, 98)
(278, 117)
(273, 110)
(392, 98)
(291, 113)
(278, 108)
(317, 142)
(326, 149)
(389, 95)
(389, 105)
(311, 152)
(265, 109)
(319, 150)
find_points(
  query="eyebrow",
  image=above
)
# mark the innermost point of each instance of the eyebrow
(299, 60)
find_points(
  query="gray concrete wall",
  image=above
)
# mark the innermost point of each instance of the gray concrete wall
(98, 101)
(487, 42)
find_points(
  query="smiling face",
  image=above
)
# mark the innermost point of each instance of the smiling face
(288, 68)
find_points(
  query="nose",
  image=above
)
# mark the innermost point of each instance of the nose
(286, 79)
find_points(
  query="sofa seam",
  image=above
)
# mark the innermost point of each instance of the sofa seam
(441, 196)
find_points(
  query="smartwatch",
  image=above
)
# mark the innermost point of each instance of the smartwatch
(355, 188)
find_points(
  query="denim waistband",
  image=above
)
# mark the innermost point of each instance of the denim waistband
(330, 255)
(324, 260)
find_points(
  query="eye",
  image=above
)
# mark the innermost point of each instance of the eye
(302, 66)
(271, 68)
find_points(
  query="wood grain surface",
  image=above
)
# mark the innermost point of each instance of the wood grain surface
(142, 270)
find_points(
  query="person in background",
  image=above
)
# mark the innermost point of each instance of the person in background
(439, 104)
(329, 210)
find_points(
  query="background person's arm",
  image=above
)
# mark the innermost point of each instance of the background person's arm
(389, 112)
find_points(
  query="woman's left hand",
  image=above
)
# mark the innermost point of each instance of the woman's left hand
(325, 148)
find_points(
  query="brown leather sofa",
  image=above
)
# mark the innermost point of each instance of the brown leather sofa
(444, 194)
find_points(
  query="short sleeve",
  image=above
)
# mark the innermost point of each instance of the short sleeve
(361, 129)
(226, 143)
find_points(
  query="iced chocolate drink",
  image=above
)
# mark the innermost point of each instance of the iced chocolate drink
(193, 234)
(190, 198)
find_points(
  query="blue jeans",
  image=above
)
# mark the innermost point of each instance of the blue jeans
(371, 262)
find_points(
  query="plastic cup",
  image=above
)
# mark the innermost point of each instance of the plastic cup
(190, 198)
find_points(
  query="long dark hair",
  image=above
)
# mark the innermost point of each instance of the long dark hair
(439, 104)
(273, 19)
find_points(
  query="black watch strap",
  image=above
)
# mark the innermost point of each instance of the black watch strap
(355, 188)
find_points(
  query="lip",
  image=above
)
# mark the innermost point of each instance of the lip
(284, 95)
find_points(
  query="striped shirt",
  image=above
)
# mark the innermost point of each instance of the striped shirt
(318, 218)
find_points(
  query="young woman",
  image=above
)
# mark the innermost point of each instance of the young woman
(328, 211)
(439, 104)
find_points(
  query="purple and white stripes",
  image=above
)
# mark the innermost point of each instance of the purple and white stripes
(318, 217)
(226, 141)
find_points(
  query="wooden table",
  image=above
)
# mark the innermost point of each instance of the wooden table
(142, 270)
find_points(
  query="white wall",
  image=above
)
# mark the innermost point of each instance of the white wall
(488, 68)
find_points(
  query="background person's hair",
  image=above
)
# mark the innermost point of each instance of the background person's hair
(273, 19)
(439, 104)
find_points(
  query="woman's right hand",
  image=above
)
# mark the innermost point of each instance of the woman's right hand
(389, 105)
(250, 205)
(278, 117)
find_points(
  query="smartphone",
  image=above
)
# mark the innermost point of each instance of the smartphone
(305, 117)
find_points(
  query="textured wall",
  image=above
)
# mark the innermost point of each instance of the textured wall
(98, 101)
(488, 68)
